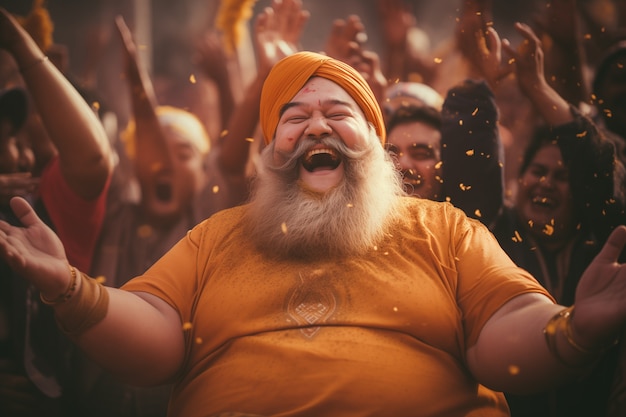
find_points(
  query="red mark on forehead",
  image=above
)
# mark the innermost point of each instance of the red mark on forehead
(308, 90)
(290, 139)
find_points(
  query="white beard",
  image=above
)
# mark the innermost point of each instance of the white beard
(287, 220)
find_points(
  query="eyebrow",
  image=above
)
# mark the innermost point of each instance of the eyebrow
(291, 104)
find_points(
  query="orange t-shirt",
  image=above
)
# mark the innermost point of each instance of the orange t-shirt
(381, 334)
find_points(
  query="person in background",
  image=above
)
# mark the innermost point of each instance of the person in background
(566, 205)
(414, 135)
(67, 184)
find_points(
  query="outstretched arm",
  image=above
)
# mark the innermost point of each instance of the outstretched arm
(211, 59)
(139, 337)
(277, 32)
(78, 135)
(346, 43)
(150, 140)
(513, 354)
(529, 70)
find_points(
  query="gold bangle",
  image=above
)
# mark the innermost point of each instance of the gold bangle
(68, 292)
(569, 313)
(34, 64)
(562, 321)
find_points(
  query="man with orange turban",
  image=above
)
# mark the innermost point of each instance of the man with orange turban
(331, 293)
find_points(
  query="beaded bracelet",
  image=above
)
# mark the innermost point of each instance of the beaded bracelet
(68, 292)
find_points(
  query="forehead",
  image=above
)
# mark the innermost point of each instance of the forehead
(182, 130)
(549, 155)
(415, 132)
(321, 90)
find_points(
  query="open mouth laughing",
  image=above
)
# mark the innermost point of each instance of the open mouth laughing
(321, 159)
(544, 202)
(163, 191)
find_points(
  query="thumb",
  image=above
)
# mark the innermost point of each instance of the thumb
(614, 245)
(24, 212)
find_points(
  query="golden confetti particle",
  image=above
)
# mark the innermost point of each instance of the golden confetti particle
(95, 105)
(477, 213)
(386, 253)
(469, 152)
(101, 279)
(187, 326)
(511, 61)
(198, 340)
(192, 79)
(224, 133)
(349, 205)
(582, 134)
(456, 258)
(465, 187)
(548, 229)
(250, 140)
(375, 247)
(395, 309)
(513, 369)
(461, 122)
(438, 164)
(475, 111)
(283, 227)
(438, 60)
(518, 237)
(144, 231)
(216, 189)
(587, 36)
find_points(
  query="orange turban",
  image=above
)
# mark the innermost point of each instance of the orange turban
(290, 74)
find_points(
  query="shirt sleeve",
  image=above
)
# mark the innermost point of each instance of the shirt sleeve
(487, 277)
(76, 221)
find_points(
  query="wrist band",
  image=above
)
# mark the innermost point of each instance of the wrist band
(34, 64)
(68, 292)
(85, 309)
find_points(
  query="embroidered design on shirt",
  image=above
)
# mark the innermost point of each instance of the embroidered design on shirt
(311, 303)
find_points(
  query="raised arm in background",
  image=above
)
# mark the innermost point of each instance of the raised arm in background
(83, 147)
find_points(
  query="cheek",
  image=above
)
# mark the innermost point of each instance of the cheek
(285, 143)
(526, 181)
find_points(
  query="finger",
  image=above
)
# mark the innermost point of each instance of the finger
(494, 44)
(614, 245)
(509, 50)
(24, 212)
(260, 24)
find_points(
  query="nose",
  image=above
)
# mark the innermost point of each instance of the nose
(318, 127)
(406, 163)
(546, 181)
